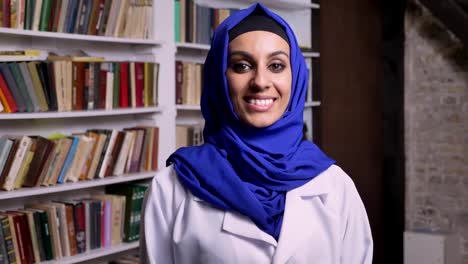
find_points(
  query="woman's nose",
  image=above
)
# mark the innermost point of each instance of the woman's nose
(261, 79)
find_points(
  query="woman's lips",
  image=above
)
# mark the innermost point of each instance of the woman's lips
(260, 104)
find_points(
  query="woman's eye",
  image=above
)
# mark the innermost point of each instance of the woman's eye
(240, 67)
(276, 67)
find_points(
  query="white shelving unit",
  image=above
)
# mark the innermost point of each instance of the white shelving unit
(161, 49)
(89, 113)
(69, 186)
(96, 254)
(8, 32)
(311, 54)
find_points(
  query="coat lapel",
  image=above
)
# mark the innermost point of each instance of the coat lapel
(240, 225)
(300, 222)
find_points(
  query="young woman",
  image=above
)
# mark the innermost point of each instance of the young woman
(255, 192)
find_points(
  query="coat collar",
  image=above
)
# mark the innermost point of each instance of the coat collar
(298, 223)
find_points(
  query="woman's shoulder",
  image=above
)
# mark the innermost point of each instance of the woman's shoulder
(166, 185)
(333, 183)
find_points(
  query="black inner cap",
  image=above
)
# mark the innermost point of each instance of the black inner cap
(258, 20)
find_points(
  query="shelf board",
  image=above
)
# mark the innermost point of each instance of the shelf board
(311, 54)
(69, 186)
(193, 46)
(188, 107)
(312, 104)
(95, 253)
(82, 37)
(51, 115)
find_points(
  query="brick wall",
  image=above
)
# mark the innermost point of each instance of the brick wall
(436, 127)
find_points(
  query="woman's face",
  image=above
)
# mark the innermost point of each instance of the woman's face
(259, 77)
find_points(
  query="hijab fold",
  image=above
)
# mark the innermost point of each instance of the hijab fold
(242, 168)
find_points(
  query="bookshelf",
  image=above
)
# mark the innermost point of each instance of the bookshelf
(83, 114)
(162, 49)
(96, 254)
(81, 185)
(10, 32)
(158, 49)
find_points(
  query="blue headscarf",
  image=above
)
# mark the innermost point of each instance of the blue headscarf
(240, 167)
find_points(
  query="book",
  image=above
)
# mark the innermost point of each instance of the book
(114, 153)
(3, 250)
(39, 236)
(36, 19)
(26, 77)
(63, 145)
(104, 164)
(80, 225)
(133, 199)
(96, 154)
(69, 158)
(21, 86)
(62, 230)
(53, 228)
(20, 156)
(122, 157)
(124, 88)
(39, 90)
(6, 97)
(33, 234)
(5, 146)
(41, 150)
(11, 243)
(45, 15)
(9, 161)
(13, 88)
(82, 152)
(70, 217)
(24, 167)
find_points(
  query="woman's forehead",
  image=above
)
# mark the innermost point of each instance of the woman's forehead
(259, 42)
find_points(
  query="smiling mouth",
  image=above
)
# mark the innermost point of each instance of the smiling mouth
(260, 102)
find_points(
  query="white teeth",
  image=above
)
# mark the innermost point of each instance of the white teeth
(261, 102)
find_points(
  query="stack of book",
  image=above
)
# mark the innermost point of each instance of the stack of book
(189, 82)
(57, 229)
(66, 83)
(119, 18)
(195, 23)
(28, 161)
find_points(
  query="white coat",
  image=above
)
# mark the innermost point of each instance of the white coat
(324, 222)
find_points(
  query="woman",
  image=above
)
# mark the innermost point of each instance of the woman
(255, 192)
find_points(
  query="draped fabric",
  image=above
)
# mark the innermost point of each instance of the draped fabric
(240, 167)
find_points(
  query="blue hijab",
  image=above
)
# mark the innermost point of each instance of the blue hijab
(240, 167)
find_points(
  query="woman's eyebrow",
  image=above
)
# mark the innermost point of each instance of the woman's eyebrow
(240, 53)
(279, 52)
(249, 56)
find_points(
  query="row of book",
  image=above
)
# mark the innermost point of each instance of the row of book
(118, 18)
(57, 229)
(28, 161)
(189, 135)
(74, 84)
(189, 82)
(195, 23)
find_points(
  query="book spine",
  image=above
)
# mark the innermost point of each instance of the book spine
(45, 15)
(80, 227)
(3, 250)
(8, 240)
